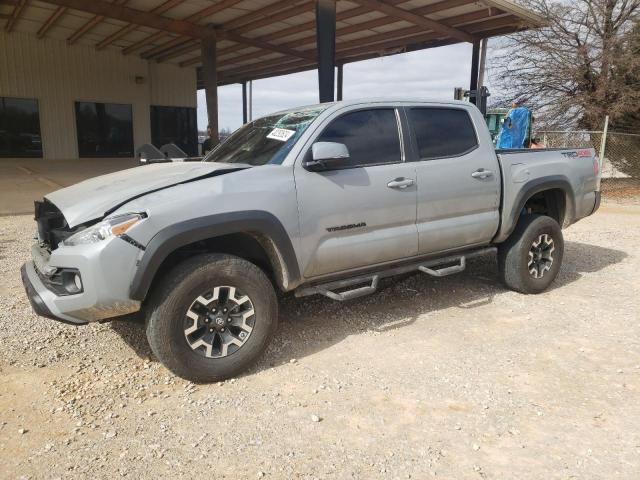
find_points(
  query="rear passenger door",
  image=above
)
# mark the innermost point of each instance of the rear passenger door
(363, 211)
(458, 179)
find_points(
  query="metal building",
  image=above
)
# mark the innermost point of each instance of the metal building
(96, 78)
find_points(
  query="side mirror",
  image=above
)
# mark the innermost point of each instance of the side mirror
(326, 156)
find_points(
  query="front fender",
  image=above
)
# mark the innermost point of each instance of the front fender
(184, 233)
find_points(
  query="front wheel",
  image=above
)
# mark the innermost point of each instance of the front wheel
(212, 317)
(531, 257)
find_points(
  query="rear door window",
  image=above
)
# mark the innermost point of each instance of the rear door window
(442, 132)
(371, 136)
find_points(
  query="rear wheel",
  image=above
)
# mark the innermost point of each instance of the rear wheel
(531, 257)
(212, 317)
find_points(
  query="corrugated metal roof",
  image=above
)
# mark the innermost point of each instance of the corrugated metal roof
(261, 38)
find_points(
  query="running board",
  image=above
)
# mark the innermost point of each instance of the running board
(349, 294)
(443, 272)
(371, 280)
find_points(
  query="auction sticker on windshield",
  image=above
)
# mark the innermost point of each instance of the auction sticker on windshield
(281, 134)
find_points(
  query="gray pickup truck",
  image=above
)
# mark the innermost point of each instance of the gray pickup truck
(325, 199)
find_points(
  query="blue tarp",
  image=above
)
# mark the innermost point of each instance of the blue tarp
(515, 129)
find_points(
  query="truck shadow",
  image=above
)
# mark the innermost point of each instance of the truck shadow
(312, 324)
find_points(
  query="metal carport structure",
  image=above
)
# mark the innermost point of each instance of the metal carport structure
(235, 41)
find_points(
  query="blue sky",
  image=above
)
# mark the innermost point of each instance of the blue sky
(430, 73)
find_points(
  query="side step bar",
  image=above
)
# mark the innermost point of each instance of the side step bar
(443, 272)
(328, 289)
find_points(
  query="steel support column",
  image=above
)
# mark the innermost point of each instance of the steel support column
(340, 80)
(475, 63)
(210, 80)
(326, 47)
(483, 62)
(250, 106)
(244, 103)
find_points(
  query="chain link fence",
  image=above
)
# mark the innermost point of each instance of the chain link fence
(620, 163)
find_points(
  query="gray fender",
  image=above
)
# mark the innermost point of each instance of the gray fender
(184, 233)
(528, 190)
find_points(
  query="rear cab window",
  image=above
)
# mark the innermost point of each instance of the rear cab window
(442, 132)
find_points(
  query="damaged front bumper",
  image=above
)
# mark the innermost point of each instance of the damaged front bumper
(36, 290)
(104, 274)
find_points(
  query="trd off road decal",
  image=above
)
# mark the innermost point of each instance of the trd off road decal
(576, 154)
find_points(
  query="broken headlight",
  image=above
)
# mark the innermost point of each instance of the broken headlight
(107, 228)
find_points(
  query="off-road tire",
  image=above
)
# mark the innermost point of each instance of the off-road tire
(514, 256)
(173, 297)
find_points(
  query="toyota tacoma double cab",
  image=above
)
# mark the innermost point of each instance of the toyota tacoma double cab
(325, 199)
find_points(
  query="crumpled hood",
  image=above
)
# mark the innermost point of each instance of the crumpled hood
(94, 198)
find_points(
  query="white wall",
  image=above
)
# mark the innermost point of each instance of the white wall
(58, 75)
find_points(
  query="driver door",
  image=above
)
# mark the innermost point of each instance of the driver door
(361, 212)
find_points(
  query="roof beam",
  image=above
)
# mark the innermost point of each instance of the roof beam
(75, 36)
(162, 48)
(274, 17)
(382, 43)
(310, 26)
(419, 20)
(163, 7)
(245, 74)
(79, 33)
(138, 17)
(397, 38)
(495, 23)
(358, 27)
(190, 46)
(50, 22)
(17, 11)
(376, 44)
(528, 16)
(268, 74)
(164, 24)
(234, 37)
(115, 36)
(205, 12)
(260, 13)
(299, 67)
(307, 40)
(145, 41)
(265, 17)
(341, 16)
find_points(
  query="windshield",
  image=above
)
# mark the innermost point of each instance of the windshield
(266, 140)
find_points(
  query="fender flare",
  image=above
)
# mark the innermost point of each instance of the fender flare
(184, 233)
(551, 182)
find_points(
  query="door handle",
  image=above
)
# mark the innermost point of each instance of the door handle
(400, 183)
(482, 173)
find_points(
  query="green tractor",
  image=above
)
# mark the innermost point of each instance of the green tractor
(494, 118)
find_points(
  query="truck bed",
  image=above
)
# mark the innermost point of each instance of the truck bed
(574, 172)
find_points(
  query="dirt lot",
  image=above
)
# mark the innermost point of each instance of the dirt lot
(450, 378)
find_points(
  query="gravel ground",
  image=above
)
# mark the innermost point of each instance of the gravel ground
(450, 378)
